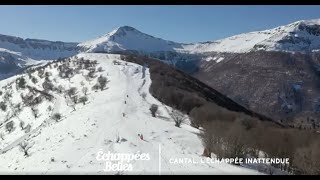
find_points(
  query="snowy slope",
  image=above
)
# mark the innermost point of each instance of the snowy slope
(235, 44)
(300, 36)
(70, 146)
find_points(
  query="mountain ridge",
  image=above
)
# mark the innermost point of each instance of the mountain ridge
(301, 36)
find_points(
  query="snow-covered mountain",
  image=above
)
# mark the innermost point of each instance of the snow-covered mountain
(128, 38)
(300, 36)
(17, 53)
(283, 56)
(50, 133)
(36, 49)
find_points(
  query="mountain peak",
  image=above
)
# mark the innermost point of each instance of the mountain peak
(123, 30)
(127, 28)
(128, 38)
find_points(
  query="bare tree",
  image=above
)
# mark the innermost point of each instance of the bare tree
(3, 106)
(48, 74)
(92, 74)
(60, 89)
(17, 109)
(72, 91)
(56, 116)
(24, 147)
(70, 102)
(49, 108)
(178, 117)
(96, 87)
(103, 81)
(83, 99)
(21, 124)
(7, 95)
(34, 80)
(35, 112)
(41, 73)
(21, 83)
(75, 99)
(10, 126)
(47, 85)
(27, 128)
(73, 106)
(2, 136)
(85, 90)
(153, 109)
(144, 95)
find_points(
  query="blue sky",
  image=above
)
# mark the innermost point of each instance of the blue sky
(177, 23)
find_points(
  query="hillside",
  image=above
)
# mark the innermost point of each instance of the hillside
(110, 120)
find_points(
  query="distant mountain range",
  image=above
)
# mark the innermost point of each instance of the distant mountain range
(274, 72)
(301, 36)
